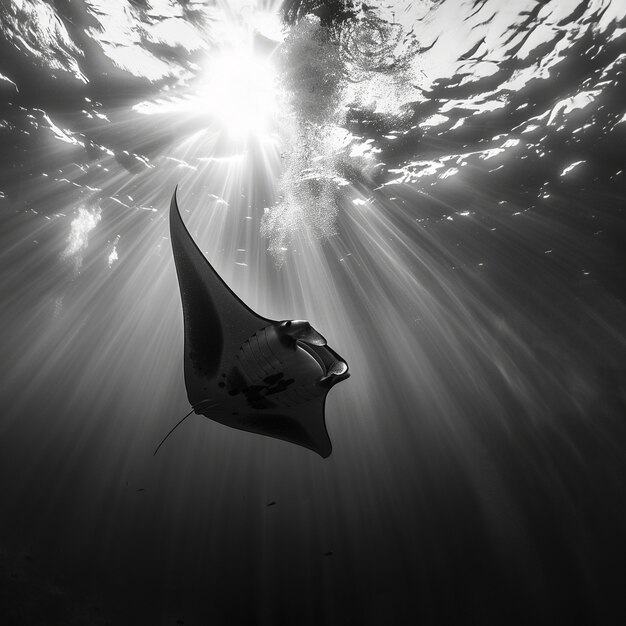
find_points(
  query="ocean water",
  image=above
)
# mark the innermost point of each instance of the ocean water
(436, 186)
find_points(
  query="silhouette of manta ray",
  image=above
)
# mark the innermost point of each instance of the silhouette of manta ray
(246, 371)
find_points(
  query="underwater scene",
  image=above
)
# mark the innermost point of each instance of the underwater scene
(219, 210)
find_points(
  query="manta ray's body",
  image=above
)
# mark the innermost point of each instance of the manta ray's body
(246, 371)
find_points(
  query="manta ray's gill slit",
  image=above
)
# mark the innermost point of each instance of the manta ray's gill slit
(265, 347)
(258, 368)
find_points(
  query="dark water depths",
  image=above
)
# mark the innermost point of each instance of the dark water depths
(438, 187)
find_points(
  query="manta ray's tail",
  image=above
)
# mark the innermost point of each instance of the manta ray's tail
(171, 431)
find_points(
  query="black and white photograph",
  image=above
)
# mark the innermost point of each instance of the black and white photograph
(313, 313)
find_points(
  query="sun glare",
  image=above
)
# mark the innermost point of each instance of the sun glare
(241, 92)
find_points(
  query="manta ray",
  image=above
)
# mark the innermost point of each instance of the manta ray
(246, 371)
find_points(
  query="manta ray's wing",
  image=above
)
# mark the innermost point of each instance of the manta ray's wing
(215, 319)
(303, 425)
(244, 370)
